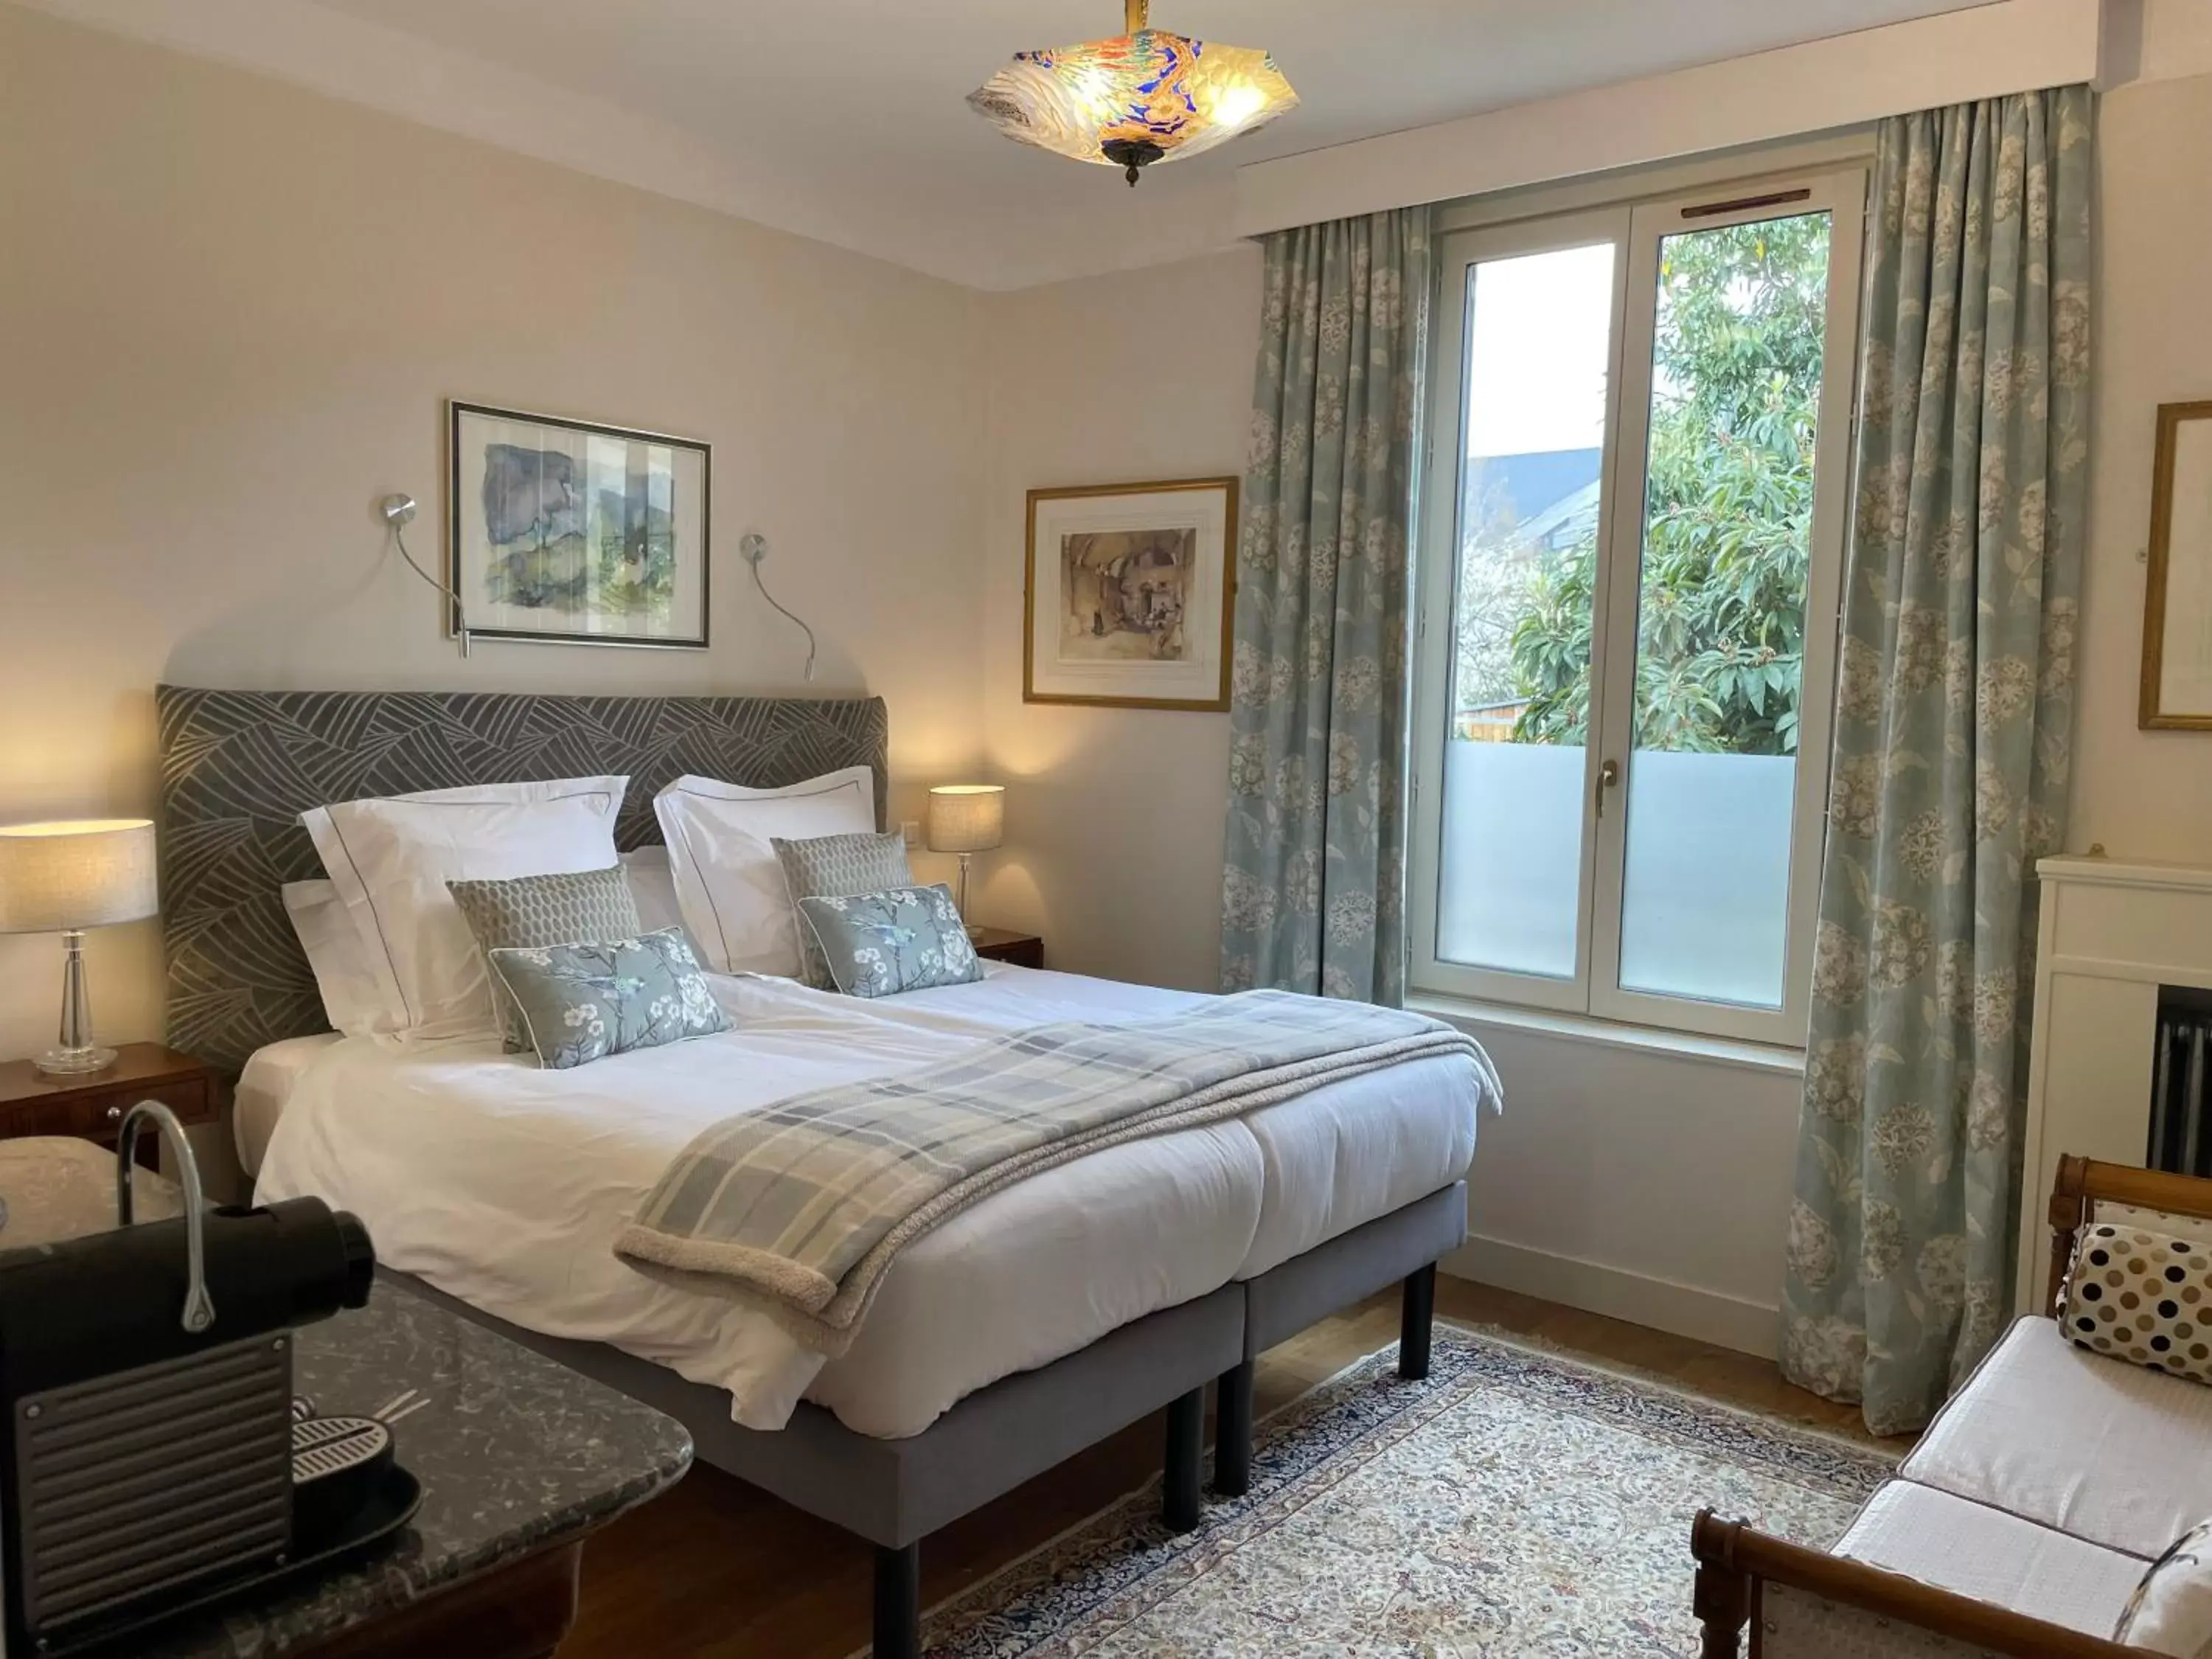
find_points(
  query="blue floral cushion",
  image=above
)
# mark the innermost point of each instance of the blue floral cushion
(904, 938)
(580, 1003)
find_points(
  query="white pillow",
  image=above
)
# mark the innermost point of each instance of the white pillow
(351, 1001)
(2170, 1611)
(653, 890)
(736, 902)
(390, 860)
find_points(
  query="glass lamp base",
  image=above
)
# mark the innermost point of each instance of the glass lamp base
(960, 900)
(74, 1062)
(75, 1053)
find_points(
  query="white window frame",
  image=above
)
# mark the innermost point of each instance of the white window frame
(1636, 228)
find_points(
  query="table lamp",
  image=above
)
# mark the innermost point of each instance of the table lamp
(966, 818)
(62, 878)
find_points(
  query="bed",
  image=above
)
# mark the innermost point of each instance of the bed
(1053, 1314)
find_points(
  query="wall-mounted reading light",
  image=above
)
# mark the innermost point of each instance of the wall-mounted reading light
(753, 550)
(398, 511)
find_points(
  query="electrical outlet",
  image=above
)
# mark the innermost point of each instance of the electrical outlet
(911, 829)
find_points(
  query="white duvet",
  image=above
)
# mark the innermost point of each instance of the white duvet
(504, 1185)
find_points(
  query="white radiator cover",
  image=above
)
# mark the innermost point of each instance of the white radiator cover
(2110, 933)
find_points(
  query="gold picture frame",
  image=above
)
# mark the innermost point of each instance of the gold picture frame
(2177, 644)
(1133, 606)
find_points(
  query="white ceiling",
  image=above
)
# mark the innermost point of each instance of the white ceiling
(845, 119)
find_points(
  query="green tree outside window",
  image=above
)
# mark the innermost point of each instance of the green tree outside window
(1729, 511)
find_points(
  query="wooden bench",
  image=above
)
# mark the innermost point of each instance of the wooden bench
(1799, 1602)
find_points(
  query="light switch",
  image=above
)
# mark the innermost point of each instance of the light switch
(911, 829)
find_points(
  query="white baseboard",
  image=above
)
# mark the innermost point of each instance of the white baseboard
(1664, 1305)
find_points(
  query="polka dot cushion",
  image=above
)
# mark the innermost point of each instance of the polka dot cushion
(2144, 1297)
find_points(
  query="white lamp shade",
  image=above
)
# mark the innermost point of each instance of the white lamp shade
(86, 873)
(966, 817)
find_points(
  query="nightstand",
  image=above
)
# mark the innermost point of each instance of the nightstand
(92, 1107)
(1004, 944)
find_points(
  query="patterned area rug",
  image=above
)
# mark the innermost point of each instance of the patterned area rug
(1515, 1503)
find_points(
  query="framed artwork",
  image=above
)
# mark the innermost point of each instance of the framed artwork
(1128, 595)
(566, 532)
(2177, 665)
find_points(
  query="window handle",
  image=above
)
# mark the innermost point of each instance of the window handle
(1608, 777)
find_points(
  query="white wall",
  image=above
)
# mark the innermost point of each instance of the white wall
(1114, 815)
(229, 314)
(2174, 38)
(1652, 1186)
(2143, 795)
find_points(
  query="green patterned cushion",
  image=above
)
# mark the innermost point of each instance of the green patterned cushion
(837, 867)
(536, 910)
(878, 945)
(580, 1003)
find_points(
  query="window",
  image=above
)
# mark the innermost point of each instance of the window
(1629, 580)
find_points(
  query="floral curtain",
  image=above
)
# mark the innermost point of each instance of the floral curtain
(1953, 725)
(1312, 894)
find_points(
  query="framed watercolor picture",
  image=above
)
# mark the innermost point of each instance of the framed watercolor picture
(1128, 594)
(2176, 665)
(565, 532)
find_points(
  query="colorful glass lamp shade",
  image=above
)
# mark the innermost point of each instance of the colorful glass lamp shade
(1142, 97)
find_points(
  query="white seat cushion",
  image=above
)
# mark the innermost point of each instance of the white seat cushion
(2110, 1452)
(1972, 1550)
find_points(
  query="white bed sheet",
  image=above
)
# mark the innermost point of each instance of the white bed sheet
(504, 1185)
(264, 1088)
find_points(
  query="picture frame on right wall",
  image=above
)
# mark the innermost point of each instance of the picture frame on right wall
(2176, 651)
(1128, 593)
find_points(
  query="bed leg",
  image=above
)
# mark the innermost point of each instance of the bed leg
(1417, 1316)
(898, 1602)
(1185, 1450)
(1233, 1432)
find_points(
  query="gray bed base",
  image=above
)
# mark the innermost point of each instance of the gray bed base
(895, 1492)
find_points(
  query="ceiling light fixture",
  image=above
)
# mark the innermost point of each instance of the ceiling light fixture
(1140, 98)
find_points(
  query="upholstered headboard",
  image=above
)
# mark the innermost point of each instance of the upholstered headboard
(238, 768)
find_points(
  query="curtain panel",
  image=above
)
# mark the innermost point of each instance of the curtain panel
(1954, 712)
(1312, 889)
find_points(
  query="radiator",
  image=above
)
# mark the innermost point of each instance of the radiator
(2180, 1138)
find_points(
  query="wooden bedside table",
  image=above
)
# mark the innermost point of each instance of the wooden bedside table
(92, 1107)
(1004, 944)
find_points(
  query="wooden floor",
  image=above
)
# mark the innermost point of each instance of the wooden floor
(717, 1568)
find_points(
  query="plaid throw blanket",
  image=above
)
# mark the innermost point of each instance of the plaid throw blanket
(800, 1209)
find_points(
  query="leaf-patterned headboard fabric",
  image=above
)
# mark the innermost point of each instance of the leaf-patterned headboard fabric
(238, 768)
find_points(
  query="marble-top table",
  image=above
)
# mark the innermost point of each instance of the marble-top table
(518, 1457)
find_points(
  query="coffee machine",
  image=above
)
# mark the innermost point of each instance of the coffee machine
(153, 1458)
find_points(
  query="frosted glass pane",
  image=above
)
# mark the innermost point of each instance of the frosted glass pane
(1513, 842)
(1707, 895)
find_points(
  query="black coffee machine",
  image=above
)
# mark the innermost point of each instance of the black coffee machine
(153, 1458)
